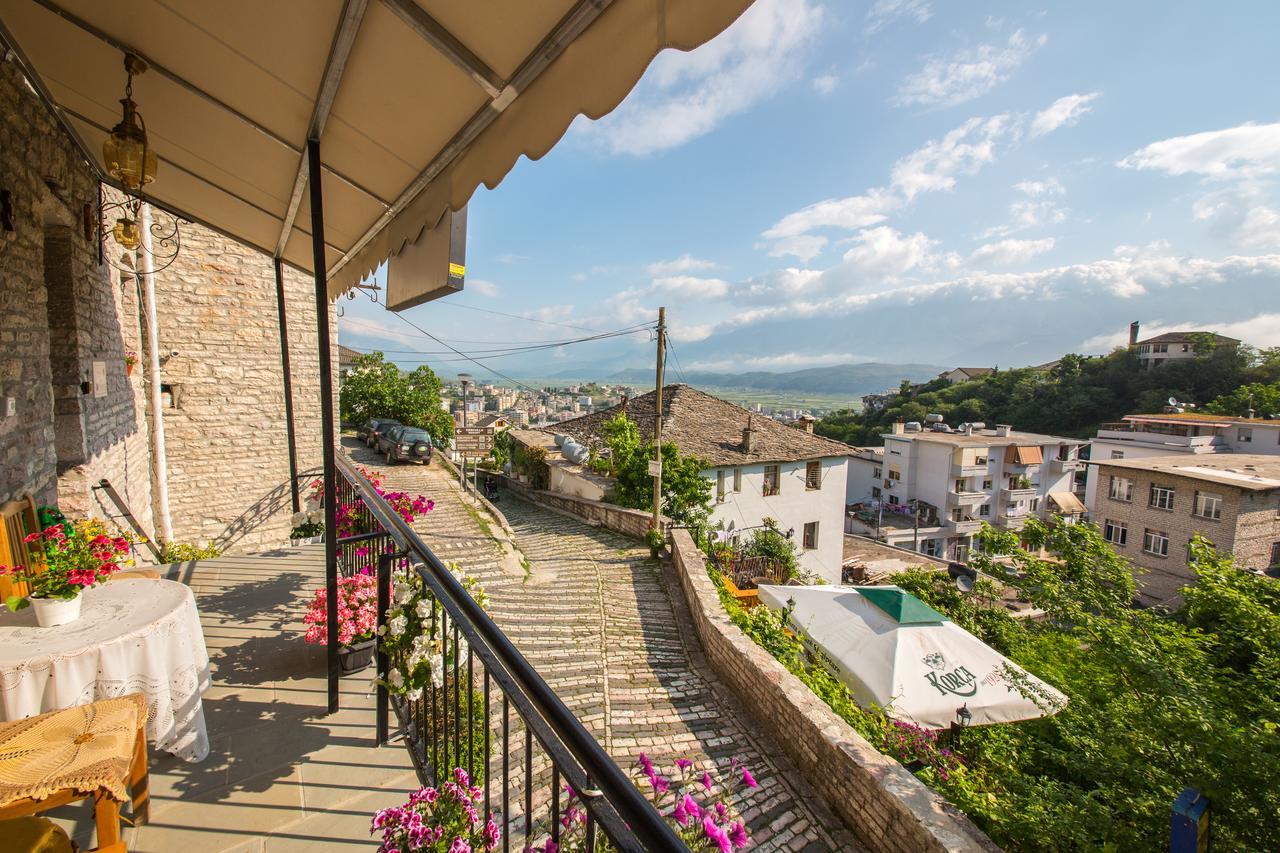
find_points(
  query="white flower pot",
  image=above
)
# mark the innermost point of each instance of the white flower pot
(51, 612)
(308, 540)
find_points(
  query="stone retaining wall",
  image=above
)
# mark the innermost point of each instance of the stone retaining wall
(888, 808)
(628, 522)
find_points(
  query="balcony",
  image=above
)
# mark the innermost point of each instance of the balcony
(1014, 519)
(958, 471)
(1018, 494)
(964, 527)
(965, 498)
(1065, 466)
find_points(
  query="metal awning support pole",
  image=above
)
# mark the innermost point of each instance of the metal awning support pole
(326, 416)
(288, 387)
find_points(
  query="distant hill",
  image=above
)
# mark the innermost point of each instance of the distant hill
(853, 380)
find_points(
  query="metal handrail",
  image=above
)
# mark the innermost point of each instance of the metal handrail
(630, 820)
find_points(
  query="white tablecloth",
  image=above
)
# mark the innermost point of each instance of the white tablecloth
(133, 636)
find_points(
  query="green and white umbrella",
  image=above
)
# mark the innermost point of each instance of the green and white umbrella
(895, 651)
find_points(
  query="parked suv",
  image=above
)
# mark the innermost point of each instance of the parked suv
(407, 444)
(369, 430)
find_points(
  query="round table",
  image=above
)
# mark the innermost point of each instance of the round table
(133, 636)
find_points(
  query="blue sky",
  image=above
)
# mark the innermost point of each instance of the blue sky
(900, 180)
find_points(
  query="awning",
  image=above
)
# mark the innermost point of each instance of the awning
(1067, 503)
(1024, 454)
(895, 652)
(415, 104)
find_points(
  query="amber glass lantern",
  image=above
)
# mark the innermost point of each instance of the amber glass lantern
(126, 233)
(125, 152)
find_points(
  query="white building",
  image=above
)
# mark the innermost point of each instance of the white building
(1140, 436)
(1175, 346)
(930, 491)
(758, 468)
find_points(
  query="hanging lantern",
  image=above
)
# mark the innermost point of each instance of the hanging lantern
(125, 152)
(127, 234)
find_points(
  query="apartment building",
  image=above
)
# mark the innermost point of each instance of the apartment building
(1175, 346)
(1144, 436)
(1150, 508)
(759, 468)
(930, 490)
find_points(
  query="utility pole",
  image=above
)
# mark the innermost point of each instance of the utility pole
(915, 538)
(657, 420)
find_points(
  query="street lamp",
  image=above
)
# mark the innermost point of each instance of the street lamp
(465, 379)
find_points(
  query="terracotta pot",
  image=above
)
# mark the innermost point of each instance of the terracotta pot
(354, 658)
(51, 612)
(128, 368)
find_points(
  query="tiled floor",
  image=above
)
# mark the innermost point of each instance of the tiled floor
(281, 774)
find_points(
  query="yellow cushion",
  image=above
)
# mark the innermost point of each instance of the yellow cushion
(33, 835)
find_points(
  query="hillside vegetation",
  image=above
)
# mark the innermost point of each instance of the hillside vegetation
(1079, 393)
(853, 380)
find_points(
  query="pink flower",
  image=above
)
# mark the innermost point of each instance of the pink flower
(459, 846)
(683, 763)
(748, 779)
(717, 835)
(738, 835)
(706, 780)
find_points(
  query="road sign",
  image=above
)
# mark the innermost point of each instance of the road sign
(655, 468)
(473, 442)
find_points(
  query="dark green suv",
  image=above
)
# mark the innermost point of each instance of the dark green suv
(405, 444)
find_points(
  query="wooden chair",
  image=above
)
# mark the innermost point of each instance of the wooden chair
(36, 753)
(18, 519)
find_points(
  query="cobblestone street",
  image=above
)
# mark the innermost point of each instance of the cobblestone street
(595, 616)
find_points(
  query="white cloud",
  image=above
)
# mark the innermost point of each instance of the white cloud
(1008, 252)
(1240, 215)
(1246, 151)
(885, 253)
(968, 74)
(962, 151)
(1025, 214)
(1063, 112)
(850, 213)
(1050, 186)
(885, 12)
(482, 287)
(682, 264)
(825, 84)
(690, 287)
(806, 247)
(1262, 330)
(685, 95)
(782, 361)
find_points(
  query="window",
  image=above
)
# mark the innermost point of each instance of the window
(771, 480)
(1160, 348)
(1244, 434)
(986, 485)
(737, 479)
(960, 485)
(979, 460)
(894, 475)
(984, 510)
(813, 475)
(876, 473)
(1035, 504)
(810, 536)
(1208, 505)
(875, 492)
(1117, 454)
(1275, 554)
(1121, 489)
(931, 547)
(720, 485)
(1155, 542)
(1161, 497)
(1115, 532)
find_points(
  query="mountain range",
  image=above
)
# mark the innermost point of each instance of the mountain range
(853, 380)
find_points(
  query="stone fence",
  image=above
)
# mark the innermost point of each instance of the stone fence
(628, 522)
(889, 809)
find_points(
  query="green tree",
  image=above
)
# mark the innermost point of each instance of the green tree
(377, 388)
(1264, 400)
(686, 494)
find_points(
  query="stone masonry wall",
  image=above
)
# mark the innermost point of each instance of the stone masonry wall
(60, 312)
(628, 522)
(889, 809)
(225, 431)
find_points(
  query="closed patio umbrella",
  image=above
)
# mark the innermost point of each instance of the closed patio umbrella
(894, 651)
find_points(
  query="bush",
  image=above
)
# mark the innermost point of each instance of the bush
(182, 552)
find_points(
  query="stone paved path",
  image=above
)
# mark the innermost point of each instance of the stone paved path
(593, 614)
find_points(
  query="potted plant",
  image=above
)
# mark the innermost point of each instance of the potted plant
(73, 560)
(308, 528)
(655, 539)
(357, 621)
(130, 359)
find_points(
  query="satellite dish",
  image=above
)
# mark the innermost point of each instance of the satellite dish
(964, 583)
(1173, 401)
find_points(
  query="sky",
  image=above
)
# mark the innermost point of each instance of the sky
(958, 184)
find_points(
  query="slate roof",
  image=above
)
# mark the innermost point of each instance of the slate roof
(707, 427)
(973, 372)
(1182, 337)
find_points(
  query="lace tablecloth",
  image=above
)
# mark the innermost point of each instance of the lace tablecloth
(133, 636)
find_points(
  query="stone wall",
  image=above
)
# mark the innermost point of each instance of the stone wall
(888, 808)
(60, 313)
(225, 431)
(628, 522)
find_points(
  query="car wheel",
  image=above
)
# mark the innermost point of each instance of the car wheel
(390, 461)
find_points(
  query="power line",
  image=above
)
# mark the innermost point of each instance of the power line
(516, 316)
(679, 368)
(519, 347)
(359, 323)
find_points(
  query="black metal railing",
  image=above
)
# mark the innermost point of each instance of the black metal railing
(489, 712)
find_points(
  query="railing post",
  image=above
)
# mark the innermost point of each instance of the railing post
(384, 661)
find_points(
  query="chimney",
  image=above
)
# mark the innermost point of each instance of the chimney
(806, 423)
(899, 428)
(1003, 430)
(1133, 333)
(748, 438)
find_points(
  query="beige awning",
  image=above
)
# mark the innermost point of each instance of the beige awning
(415, 104)
(1024, 454)
(1067, 503)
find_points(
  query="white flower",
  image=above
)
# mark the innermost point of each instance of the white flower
(397, 626)
(403, 592)
(424, 609)
(300, 518)
(395, 679)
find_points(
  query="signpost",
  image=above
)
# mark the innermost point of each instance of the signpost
(473, 443)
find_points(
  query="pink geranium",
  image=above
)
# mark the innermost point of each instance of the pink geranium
(357, 611)
(64, 565)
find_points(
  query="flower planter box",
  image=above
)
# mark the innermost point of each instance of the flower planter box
(306, 540)
(353, 659)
